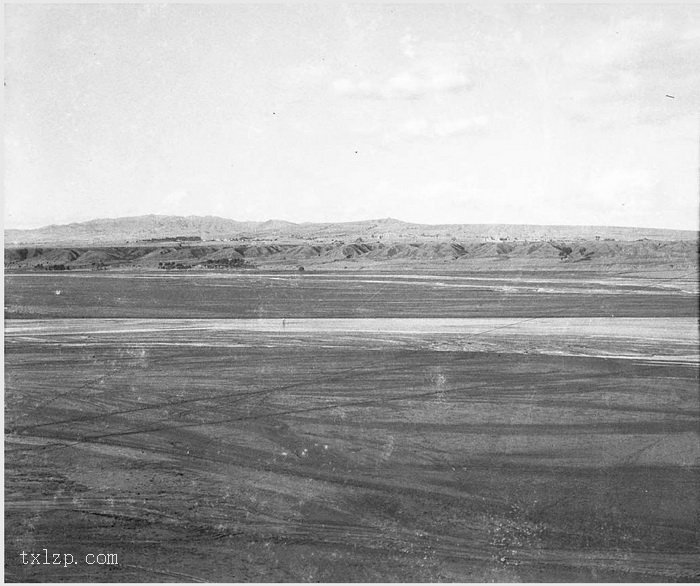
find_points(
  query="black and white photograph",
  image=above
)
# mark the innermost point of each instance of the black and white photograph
(351, 292)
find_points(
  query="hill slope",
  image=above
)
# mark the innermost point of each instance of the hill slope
(573, 254)
(143, 228)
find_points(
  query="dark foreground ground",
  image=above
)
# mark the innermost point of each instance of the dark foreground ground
(253, 294)
(281, 451)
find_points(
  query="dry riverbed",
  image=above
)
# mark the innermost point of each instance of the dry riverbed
(524, 447)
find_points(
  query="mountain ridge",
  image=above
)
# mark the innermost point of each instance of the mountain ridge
(133, 229)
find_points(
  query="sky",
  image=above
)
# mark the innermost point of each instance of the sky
(450, 113)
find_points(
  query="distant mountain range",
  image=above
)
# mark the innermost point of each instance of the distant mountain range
(139, 229)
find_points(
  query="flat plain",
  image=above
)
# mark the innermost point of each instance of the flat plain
(538, 426)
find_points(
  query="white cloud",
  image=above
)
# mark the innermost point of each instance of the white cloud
(352, 89)
(415, 127)
(450, 82)
(407, 44)
(443, 128)
(460, 126)
(404, 86)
